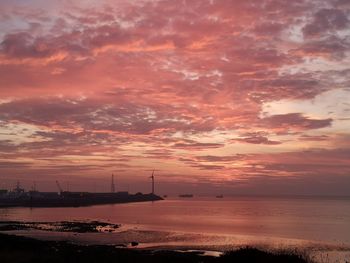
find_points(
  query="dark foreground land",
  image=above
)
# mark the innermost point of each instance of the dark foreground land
(15, 249)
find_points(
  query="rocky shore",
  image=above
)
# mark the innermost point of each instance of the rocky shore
(62, 226)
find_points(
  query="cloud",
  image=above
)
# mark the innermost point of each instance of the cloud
(294, 122)
(325, 21)
(142, 81)
(306, 137)
(256, 138)
(197, 146)
(299, 163)
(332, 47)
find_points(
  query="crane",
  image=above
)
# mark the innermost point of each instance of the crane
(59, 187)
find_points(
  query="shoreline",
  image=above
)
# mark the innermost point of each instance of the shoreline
(95, 233)
(24, 249)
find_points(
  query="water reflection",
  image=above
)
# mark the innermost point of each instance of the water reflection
(308, 219)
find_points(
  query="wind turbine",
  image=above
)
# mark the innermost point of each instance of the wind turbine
(152, 177)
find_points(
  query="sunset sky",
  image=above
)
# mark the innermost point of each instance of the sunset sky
(232, 96)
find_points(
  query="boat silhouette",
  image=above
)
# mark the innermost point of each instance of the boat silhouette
(186, 195)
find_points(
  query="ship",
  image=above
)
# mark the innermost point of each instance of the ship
(186, 195)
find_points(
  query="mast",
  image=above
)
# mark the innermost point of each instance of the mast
(34, 187)
(18, 187)
(112, 184)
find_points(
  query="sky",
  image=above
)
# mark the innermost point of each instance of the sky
(218, 96)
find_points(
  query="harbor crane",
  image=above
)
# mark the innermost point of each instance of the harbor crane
(59, 187)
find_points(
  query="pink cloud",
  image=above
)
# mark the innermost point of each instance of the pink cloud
(256, 138)
(294, 122)
(168, 80)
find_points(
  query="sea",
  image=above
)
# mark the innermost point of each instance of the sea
(318, 227)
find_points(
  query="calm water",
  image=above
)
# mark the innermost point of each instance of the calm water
(312, 219)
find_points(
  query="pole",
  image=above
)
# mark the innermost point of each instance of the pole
(112, 184)
(153, 182)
